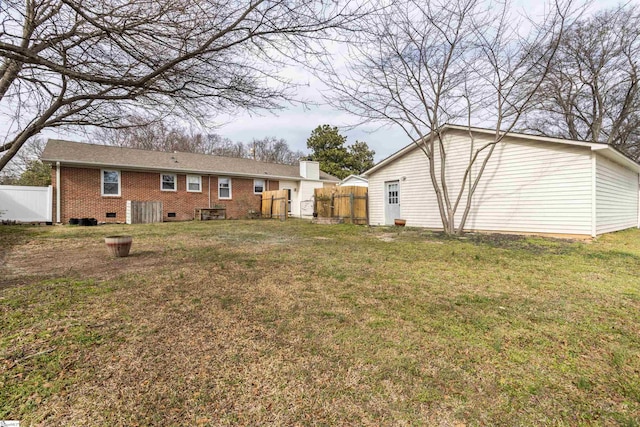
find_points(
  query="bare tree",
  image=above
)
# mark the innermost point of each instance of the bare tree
(220, 146)
(422, 64)
(94, 62)
(592, 92)
(159, 135)
(163, 135)
(274, 150)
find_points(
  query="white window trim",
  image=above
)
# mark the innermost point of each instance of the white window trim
(230, 188)
(175, 181)
(199, 183)
(102, 171)
(264, 185)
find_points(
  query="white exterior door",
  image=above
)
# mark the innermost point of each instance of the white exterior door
(391, 201)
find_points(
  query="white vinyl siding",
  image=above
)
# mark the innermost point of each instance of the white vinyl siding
(616, 196)
(527, 186)
(305, 198)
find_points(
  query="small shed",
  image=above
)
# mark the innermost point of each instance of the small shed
(530, 184)
(354, 181)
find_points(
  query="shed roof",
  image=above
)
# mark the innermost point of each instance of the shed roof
(602, 148)
(355, 178)
(93, 155)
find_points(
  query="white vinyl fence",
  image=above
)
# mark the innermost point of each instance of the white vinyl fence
(26, 204)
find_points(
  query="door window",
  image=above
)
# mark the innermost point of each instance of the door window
(392, 194)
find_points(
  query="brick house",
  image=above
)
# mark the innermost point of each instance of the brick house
(96, 181)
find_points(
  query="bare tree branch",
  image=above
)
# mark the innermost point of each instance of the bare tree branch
(92, 62)
(593, 89)
(421, 65)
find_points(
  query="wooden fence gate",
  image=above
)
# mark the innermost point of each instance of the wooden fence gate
(274, 204)
(350, 204)
(143, 212)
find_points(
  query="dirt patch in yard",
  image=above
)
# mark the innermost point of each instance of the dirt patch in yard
(89, 258)
(387, 237)
(72, 258)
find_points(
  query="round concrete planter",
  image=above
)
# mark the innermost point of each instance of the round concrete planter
(119, 246)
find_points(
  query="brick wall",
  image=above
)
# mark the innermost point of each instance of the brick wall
(81, 195)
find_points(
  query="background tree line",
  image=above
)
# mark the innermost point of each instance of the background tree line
(592, 91)
(327, 146)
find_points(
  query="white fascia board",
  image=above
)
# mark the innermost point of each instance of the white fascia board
(309, 180)
(391, 158)
(523, 136)
(604, 148)
(616, 156)
(356, 177)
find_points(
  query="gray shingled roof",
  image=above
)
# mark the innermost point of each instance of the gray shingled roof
(82, 154)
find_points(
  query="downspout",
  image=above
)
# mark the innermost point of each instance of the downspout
(209, 191)
(58, 186)
(594, 217)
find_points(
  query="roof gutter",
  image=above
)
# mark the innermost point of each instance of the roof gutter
(607, 150)
(617, 157)
(518, 135)
(58, 185)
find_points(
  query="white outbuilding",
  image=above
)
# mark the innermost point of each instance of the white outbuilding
(354, 181)
(530, 184)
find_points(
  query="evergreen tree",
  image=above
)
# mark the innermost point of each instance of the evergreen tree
(329, 148)
(37, 174)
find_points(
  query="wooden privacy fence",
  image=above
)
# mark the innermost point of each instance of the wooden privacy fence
(143, 212)
(274, 204)
(350, 204)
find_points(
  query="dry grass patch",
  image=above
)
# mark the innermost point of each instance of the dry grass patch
(263, 322)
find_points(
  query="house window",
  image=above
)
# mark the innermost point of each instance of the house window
(224, 188)
(194, 183)
(110, 182)
(258, 186)
(168, 182)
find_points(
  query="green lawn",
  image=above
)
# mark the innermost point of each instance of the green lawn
(289, 323)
